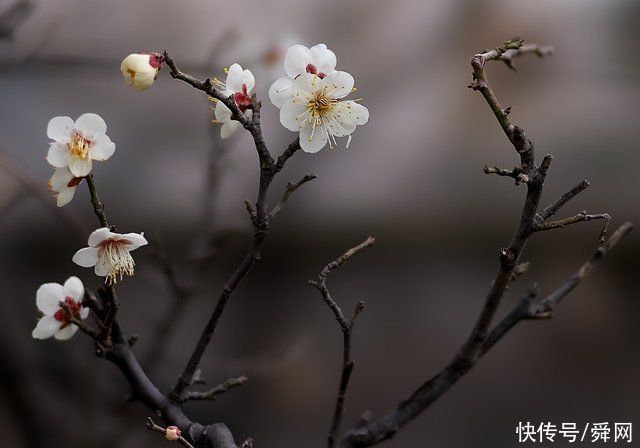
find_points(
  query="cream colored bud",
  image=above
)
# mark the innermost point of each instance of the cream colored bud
(141, 70)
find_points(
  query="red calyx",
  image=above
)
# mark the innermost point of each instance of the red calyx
(72, 306)
(242, 99)
(314, 71)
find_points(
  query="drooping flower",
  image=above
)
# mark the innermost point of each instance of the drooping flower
(109, 253)
(240, 84)
(140, 70)
(317, 60)
(317, 111)
(63, 184)
(172, 433)
(77, 144)
(55, 320)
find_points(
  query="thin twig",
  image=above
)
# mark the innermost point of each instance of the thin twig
(551, 209)
(211, 394)
(527, 309)
(151, 426)
(291, 187)
(259, 215)
(98, 206)
(346, 327)
(480, 339)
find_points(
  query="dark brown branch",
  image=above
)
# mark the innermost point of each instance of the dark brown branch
(291, 187)
(98, 207)
(211, 394)
(80, 324)
(515, 173)
(551, 209)
(371, 432)
(259, 216)
(347, 329)
(151, 426)
(562, 223)
(528, 309)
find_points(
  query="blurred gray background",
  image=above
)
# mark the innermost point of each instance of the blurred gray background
(412, 177)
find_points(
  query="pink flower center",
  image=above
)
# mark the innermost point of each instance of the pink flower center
(242, 99)
(314, 71)
(74, 309)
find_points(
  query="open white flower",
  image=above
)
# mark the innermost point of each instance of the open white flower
(55, 320)
(240, 84)
(317, 111)
(140, 70)
(77, 144)
(109, 253)
(317, 60)
(63, 184)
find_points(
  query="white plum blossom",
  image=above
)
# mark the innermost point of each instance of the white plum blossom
(109, 252)
(77, 144)
(317, 60)
(63, 184)
(240, 84)
(140, 70)
(316, 109)
(55, 320)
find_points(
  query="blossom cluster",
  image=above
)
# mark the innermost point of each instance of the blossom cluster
(312, 102)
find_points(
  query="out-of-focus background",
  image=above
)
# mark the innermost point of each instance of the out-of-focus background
(412, 177)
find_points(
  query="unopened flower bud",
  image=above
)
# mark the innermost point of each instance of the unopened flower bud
(172, 433)
(140, 70)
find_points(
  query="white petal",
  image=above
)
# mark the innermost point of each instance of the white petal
(139, 63)
(66, 332)
(84, 312)
(46, 327)
(58, 155)
(314, 143)
(280, 91)
(60, 128)
(136, 240)
(80, 167)
(323, 58)
(90, 125)
(292, 114)
(296, 60)
(74, 288)
(341, 126)
(102, 147)
(222, 112)
(229, 128)
(101, 270)
(249, 80)
(48, 298)
(339, 84)
(305, 85)
(60, 179)
(86, 257)
(65, 196)
(234, 78)
(358, 111)
(101, 234)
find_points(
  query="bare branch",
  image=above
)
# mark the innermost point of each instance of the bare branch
(580, 217)
(151, 426)
(515, 173)
(527, 309)
(288, 192)
(98, 206)
(551, 209)
(347, 329)
(213, 392)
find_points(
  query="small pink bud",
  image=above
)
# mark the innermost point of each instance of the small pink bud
(172, 433)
